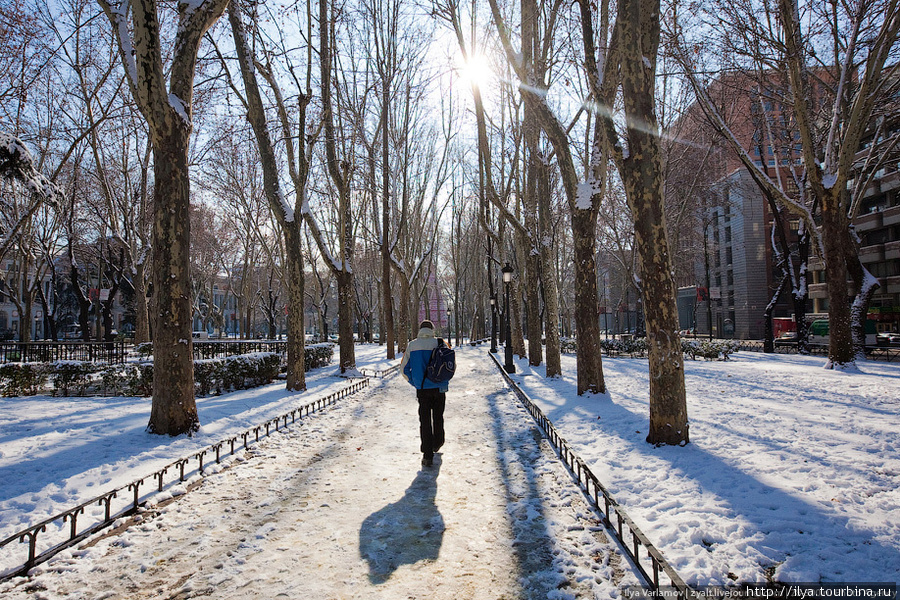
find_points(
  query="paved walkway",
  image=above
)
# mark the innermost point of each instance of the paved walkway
(338, 506)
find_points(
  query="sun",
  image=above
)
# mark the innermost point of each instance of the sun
(476, 71)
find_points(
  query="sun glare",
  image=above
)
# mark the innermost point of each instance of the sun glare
(476, 71)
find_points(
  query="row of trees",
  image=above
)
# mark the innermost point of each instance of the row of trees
(334, 142)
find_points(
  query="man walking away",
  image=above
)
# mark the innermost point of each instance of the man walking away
(431, 395)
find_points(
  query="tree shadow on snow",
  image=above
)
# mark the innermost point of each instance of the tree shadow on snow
(519, 447)
(404, 532)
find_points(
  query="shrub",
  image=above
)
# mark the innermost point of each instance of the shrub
(709, 349)
(207, 375)
(630, 346)
(70, 375)
(136, 378)
(318, 355)
(139, 379)
(22, 379)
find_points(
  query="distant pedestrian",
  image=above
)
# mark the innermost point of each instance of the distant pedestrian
(431, 395)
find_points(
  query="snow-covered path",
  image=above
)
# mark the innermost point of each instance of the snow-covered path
(338, 506)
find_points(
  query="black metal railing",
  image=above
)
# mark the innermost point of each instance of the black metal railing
(631, 538)
(110, 352)
(885, 353)
(49, 537)
(380, 373)
(224, 348)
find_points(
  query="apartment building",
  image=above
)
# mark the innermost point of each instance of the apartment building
(878, 226)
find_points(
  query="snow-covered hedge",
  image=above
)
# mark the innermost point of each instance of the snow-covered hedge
(708, 349)
(217, 375)
(22, 379)
(318, 355)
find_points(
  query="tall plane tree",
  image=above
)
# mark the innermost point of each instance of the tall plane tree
(638, 25)
(287, 216)
(167, 110)
(340, 172)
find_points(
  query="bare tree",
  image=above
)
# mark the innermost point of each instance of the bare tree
(287, 216)
(831, 103)
(583, 196)
(167, 109)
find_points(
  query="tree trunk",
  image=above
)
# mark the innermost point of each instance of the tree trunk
(386, 294)
(141, 314)
(515, 317)
(587, 325)
(296, 340)
(835, 233)
(345, 321)
(174, 410)
(642, 176)
(339, 171)
(293, 239)
(548, 269)
(403, 325)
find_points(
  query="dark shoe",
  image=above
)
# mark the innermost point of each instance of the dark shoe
(427, 461)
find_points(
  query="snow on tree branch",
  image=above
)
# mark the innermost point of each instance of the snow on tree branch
(118, 16)
(17, 163)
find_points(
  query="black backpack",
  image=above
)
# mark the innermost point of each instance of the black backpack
(442, 364)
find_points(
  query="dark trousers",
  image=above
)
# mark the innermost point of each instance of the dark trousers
(431, 420)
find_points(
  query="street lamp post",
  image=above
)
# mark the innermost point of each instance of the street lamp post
(448, 326)
(507, 277)
(494, 323)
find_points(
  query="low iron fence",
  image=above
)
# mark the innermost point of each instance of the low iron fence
(885, 353)
(380, 373)
(110, 352)
(223, 348)
(42, 541)
(630, 537)
(117, 351)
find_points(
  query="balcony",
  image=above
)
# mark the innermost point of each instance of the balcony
(893, 285)
(891, 216)
(890, 181)
(818, 290)
(868, 222)
(892, 250)
(871, 254)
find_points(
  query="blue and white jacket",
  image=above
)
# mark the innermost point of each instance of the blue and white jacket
(415, 361)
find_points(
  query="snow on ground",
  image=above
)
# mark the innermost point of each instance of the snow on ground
(792, 471)
(338, 506)
(58, 452)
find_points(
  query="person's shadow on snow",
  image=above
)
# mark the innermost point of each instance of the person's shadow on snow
(404, 532)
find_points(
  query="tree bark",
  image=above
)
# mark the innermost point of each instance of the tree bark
(168, 114)
(548, 270)
(141, 313)
(174, 409)
(642, 176)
